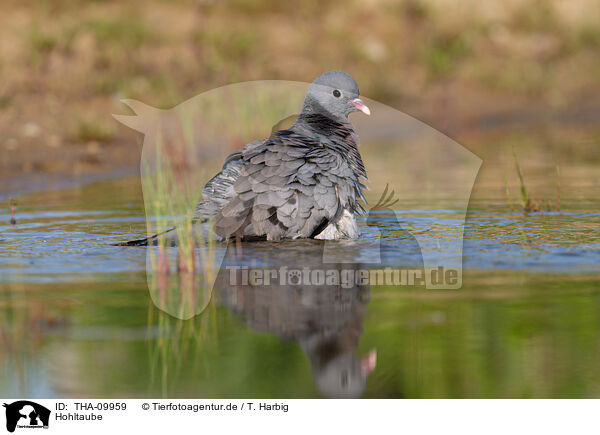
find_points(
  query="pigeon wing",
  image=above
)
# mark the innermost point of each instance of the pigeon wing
(219, 190)
(288, 187)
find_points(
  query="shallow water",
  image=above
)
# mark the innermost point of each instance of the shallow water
(76, 317)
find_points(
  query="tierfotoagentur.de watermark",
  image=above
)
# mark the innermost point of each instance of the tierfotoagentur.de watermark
(345, 278)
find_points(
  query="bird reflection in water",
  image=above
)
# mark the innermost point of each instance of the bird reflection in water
(325, 320)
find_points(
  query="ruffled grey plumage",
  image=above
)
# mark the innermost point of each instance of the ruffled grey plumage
(302, 182)
(289, 186)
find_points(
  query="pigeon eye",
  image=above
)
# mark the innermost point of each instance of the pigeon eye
(336, 93)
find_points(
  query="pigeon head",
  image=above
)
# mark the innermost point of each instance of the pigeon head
(345, 376)
(335, 95)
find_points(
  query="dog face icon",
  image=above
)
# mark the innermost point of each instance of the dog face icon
(26, 413)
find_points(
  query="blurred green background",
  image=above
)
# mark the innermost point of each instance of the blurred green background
(459, 66)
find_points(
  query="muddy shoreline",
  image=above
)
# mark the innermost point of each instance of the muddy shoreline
(36, 168)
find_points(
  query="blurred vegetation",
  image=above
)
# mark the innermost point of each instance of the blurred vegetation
(163, 52)
(524, 336)
(445, 63)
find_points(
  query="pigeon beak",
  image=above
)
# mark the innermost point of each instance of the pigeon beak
(358, 103)
(368, 362)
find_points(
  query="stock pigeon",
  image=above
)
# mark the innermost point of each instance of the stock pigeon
(301, 182)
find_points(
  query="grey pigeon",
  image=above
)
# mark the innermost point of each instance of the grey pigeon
(324, 318)
(301, 182)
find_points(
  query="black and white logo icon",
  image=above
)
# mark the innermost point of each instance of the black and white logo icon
(24, 414)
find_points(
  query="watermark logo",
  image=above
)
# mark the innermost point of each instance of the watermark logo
(25, 414)
(340, 277)
(420, 182)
